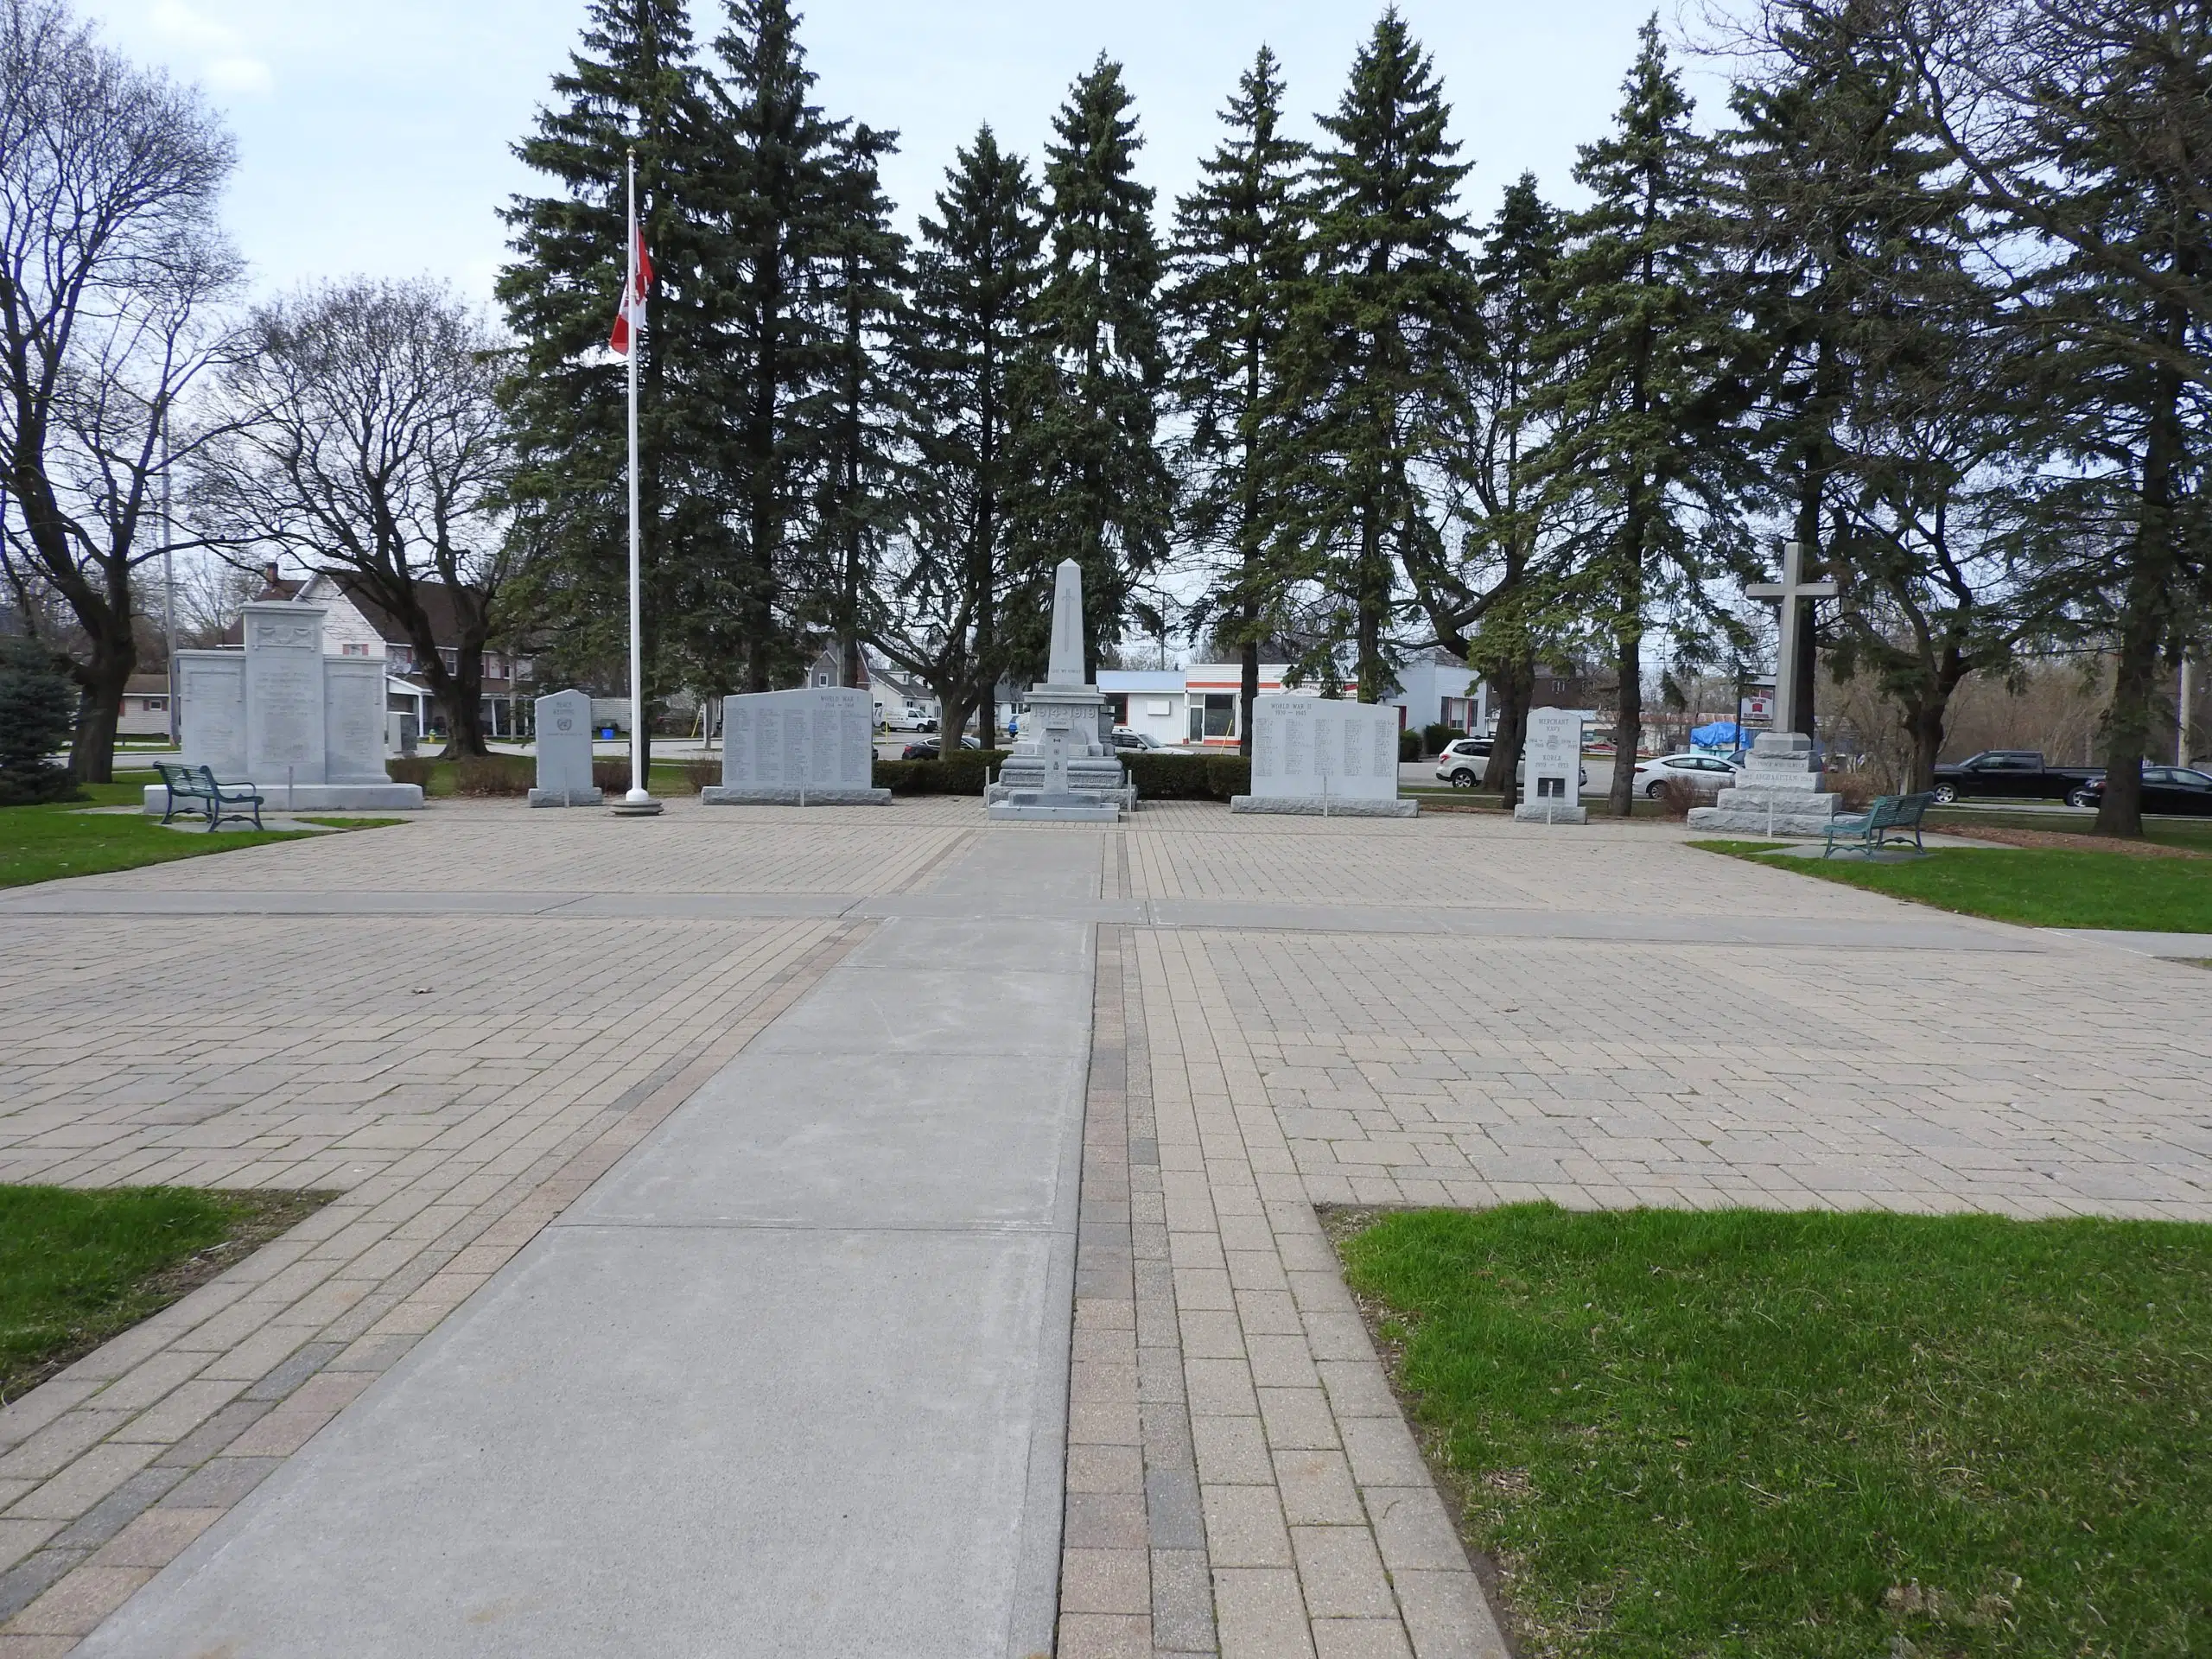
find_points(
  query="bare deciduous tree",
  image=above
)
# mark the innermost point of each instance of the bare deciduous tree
(366, 440)
(110, 261)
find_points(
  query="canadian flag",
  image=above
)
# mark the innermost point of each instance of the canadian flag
(631, 313)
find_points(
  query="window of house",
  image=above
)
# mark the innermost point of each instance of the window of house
(450, 657)
(353, 648)
(157, 705)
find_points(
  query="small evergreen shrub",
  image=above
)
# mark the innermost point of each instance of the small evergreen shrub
(1409, 746)
(38, 708)
(1433, 738)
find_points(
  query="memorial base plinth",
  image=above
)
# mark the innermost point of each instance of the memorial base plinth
(1781, 819)
(778, 795)
(1324, 806)
(566, 798)
(1550, 812)
(311, 797)
(1035, 806)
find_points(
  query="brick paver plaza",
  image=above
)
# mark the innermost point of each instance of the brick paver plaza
(481, 1030)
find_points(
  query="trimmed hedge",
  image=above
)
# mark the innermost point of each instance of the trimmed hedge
(1188, 777)
(1409, 746)
(964, 771)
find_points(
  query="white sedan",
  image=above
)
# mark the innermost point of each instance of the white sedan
(1704, 774)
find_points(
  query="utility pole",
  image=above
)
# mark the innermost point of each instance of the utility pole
(2181, 733)
(168, 580)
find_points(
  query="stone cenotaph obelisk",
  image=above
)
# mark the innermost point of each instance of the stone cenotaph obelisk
(1060, 770)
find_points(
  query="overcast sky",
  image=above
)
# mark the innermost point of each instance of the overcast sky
(374, 134)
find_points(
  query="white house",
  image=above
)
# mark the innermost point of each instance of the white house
(1196, 706)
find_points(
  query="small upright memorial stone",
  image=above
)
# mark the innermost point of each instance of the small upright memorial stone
(564, 752)
(814, 747)
(1324, 756)
(1551, 768)
(306, 729)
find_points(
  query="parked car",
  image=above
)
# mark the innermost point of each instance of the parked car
(1126, 739)
(1707, 773)
(1464, 761)
(929, 748)
(2015, 774)
(2182, 790)
(1462, 765)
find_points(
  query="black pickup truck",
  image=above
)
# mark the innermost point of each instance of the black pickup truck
(2014, 774)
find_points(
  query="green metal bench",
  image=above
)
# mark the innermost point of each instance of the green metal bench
(1891, 817)
(181, 785)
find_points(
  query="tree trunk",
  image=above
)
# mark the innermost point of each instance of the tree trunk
(1516, 687)
(2146, 608)
(1627, 721)
(1248, 685)
(91, 751)
(1369, 604)
(1923, 725)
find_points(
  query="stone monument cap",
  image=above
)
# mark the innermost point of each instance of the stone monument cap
(1065, 665)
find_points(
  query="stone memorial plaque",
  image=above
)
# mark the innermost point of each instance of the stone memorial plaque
(564, 751)
(210, 689)
(307, 729)
(1324, 755)
(353, 720)
(1551, 768)
(285, 724)
(807, 748)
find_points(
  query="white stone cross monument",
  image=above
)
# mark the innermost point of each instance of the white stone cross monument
(1792, 588)
(1551, 762)
(1778, 792)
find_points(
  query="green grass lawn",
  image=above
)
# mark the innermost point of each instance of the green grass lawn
(2196, 833)
(2038, 886)
(1760, 1435)
(43, 843)
(77, 1266)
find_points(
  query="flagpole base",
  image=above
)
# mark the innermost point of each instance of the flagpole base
(636, 805)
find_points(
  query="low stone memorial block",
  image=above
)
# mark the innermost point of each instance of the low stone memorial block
(1326, 756)
(1778, 793)
(812, 747)
(306, 729)
(1551, 769)
(564, 752)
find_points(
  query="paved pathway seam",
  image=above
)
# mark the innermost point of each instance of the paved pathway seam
(114, 1466)
(1135, 1580)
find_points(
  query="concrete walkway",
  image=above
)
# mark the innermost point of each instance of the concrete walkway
(791, 1379)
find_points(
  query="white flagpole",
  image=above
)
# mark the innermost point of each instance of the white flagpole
(637, 795)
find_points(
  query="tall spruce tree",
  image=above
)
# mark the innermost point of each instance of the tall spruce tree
(1093, 484)
(864, 279)
(1641, 446)
(1385, 324)
(1847, 244)
(780, 183)
(633, 86)
(1238, 256)
(977, 272)
(1517, 278)
(2085, 127)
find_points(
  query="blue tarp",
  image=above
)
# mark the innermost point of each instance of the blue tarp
(1721, 734)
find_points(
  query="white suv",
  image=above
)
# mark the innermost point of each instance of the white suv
(1465, 758)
